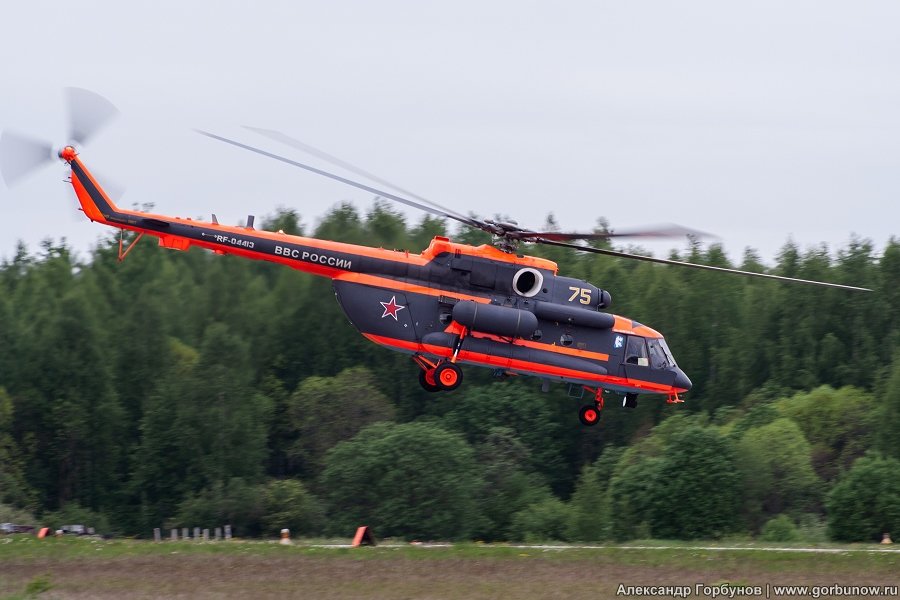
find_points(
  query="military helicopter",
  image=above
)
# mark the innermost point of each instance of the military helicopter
(452, 304)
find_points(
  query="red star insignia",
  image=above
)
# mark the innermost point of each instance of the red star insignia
(391, 308)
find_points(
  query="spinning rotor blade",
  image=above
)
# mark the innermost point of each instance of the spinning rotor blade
(113, 188)
(679, 263)
(304, 147)
(19, 155)
(88, 113)
(661, 231)
(440, 212)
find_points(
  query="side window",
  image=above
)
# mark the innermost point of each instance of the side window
(658, 358)
(636, 351)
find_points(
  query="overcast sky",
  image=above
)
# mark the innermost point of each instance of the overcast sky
(757, 121)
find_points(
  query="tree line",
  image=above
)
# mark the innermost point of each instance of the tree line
(189, 389)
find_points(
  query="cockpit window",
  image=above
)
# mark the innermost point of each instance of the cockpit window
(668, 352)
(660, 357)
(636, 351)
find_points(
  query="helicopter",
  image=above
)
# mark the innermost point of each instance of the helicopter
(452, 304)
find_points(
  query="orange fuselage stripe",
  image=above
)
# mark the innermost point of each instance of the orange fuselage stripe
(519, 365)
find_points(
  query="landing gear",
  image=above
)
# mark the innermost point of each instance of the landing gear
(590, 414)
(629, 401)
(426, 380)
(448, 376)
(438, 377)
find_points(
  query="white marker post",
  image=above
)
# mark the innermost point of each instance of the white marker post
(286, 537)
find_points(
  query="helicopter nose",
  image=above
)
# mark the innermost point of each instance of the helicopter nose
(682, 381)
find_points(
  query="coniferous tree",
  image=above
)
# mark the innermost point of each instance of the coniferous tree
(889, 417)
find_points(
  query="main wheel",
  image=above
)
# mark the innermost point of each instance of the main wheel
(629, 401)
(426, 380)
(589, 415)
(447, 376)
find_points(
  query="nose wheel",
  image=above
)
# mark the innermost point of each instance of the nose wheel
(590, 414)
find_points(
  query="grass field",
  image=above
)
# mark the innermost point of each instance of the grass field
(88, 568)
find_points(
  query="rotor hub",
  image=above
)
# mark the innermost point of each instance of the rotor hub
(68, 153)
(506, 243)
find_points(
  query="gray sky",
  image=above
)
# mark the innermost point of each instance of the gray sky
(757, 121)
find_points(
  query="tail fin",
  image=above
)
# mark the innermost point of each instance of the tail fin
(95, 202)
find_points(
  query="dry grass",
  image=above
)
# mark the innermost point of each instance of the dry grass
(84, 569)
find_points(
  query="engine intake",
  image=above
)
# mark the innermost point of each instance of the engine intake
(528, 282)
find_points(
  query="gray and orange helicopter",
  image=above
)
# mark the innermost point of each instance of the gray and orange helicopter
(453, 304)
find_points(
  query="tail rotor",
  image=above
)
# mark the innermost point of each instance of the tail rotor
(21, 155)
(88, 113)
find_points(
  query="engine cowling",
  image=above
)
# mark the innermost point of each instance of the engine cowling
(574, 316)
(580, 294)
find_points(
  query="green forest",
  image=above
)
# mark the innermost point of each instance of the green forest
(185, 389)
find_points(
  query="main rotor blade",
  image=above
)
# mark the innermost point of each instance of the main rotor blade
(679, 263)
(434, 211)
(661, 231)
(304, 147)
(19, 155)
(88, 113)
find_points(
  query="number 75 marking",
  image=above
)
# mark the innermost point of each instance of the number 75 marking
(583, 295)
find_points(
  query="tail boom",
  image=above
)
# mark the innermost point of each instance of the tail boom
(319, 257)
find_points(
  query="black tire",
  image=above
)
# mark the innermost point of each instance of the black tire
(630, 401)
(423, 381)
(448, 376)
(589, 415)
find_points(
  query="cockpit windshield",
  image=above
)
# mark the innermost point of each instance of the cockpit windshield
(668, 352)
(660, 355)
